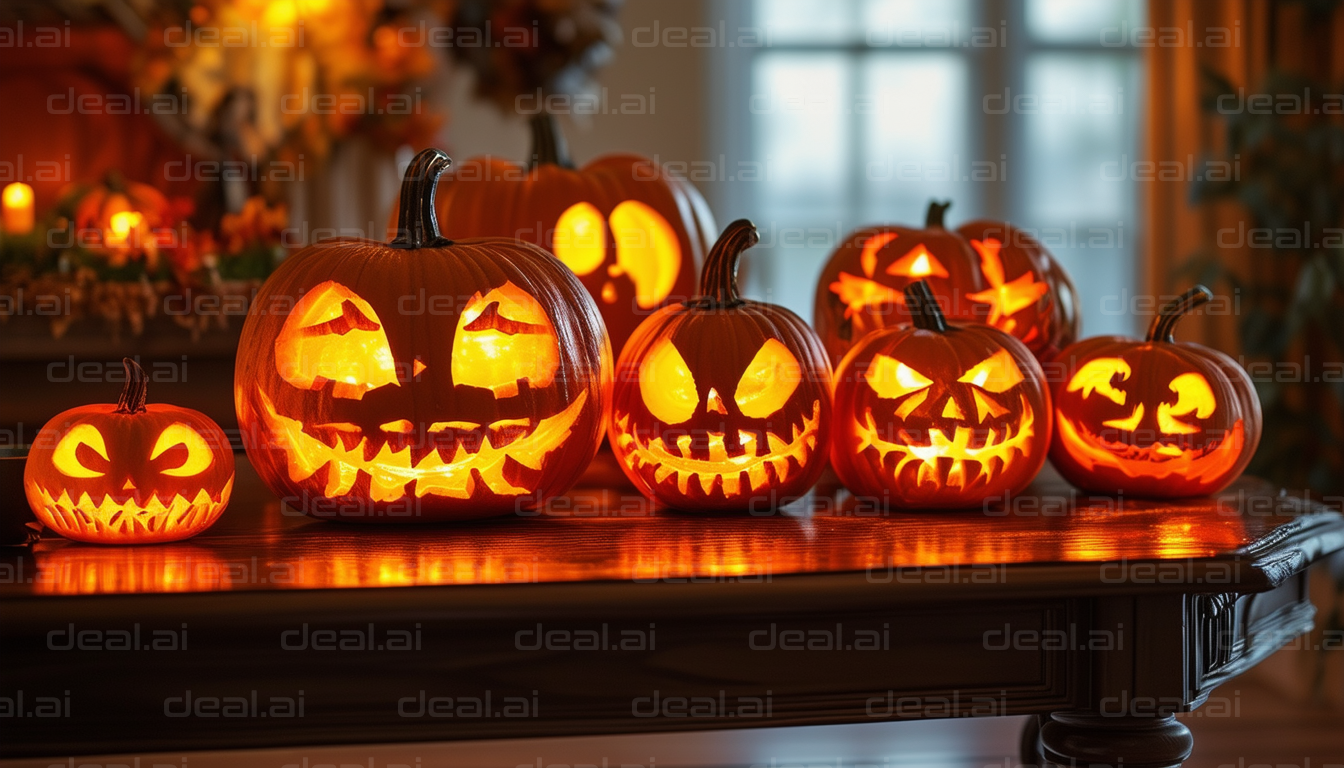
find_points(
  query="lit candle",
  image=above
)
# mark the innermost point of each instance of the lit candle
(17, 200)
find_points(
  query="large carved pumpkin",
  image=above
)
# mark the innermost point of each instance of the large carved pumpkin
(722, 403)
(129, 473)
(939, 415)
(631, 233)
(1156, 417)
(984, 271)
(422, 379)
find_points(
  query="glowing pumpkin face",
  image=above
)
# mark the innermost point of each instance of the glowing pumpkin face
(722, 403)
(1154, 418)
(129, 473)
(630, 233)
(986, 272)
(423, 379)
(939, 415)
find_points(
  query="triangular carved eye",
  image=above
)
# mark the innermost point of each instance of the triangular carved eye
(769, 380)
(891, 378)
(667, 385)
(917, 263)
(997, 373)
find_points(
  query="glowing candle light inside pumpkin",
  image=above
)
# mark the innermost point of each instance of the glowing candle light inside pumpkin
(18, 208)
(121, 226)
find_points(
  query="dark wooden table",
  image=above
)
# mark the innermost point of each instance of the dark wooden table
(603, 616)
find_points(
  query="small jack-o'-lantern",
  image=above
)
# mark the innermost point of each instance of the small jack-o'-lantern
(422, 379)
(985, 271)
(1156, 417)
(129, 473)
(722, 403)
(632, 233)
(939, 415)
(119, 217)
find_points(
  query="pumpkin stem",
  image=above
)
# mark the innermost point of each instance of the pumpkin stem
(1164, 325)
(417, 223)
(136, 390)
(548, 143)
(934, 218)
(923, 306)
(718, 281)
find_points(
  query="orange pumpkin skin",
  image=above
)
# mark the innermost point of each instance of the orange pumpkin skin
(423, 379)
(1154, 418)
(721, 403)
(129, 473)
(939, 415)
(632, 234)
(984, 272)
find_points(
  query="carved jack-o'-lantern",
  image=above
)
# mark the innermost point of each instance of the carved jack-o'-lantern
(129, 473)
(939, 415)
(422, 379)
(722, 403)
(1155, 417)
(631, 233)
(985, 271)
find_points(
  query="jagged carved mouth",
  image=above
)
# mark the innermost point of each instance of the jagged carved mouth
(455, 467)
(970, 455)
(753, 465)
(123, 515)
(1155, 461)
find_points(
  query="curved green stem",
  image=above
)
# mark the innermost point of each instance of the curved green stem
(136, 390)
(934, 218)
(417, 223)
(1164, 325)
(718, 281)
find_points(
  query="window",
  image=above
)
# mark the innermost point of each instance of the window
(861, 111)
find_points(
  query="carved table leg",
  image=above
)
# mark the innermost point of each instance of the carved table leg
(1081, 739)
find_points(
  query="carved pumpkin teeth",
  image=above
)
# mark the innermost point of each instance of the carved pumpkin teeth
(453, 464)
(1157, 461)
(724, 468)
(128, 517)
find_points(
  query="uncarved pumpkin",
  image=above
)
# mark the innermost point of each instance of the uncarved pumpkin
(939, 415)
(422, 379)
(985, 271)
(632, 233)
(1157, 417)
(722, 403)
(129, 473)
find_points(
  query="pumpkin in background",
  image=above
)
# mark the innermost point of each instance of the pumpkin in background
(631, 233)
(422, 379)
(129, 473)
(722, 403)
(984, 271)
(1157, 417)
(119, 217)
(939, 415)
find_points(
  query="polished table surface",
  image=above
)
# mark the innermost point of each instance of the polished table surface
(829, 612)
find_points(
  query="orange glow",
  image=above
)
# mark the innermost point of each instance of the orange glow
(334, 335)
(1156, 461)
(1193, 395)
(997, 373)
(17, 201)
(667, 385)
(581, 238)
(647, 251)
(769, 380)
(110, 519)
(918, 263)
(66, 455)
(721, 470)
(122, 225)
(1129, 423)
(1005, 298)
(968, 464)
(199, 456)
(503, 337)
(1097, 375)
(868, 258)
(891, 378)
(444, 471)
